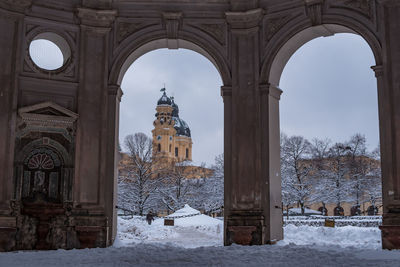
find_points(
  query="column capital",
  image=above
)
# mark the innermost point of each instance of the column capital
(226, 91)
(96, 18)
(115, 90)
(378, 69)
(271, 90)
(244, 20)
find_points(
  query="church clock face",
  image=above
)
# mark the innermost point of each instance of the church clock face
(159, 137)
(170, 138)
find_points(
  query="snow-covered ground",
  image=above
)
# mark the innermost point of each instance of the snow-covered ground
(188, 232)
(197, 241)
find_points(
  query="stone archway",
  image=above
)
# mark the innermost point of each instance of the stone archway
(242, 38)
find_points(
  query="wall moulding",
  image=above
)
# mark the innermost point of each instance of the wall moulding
(16, 5)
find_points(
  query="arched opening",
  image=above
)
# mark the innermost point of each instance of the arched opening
(184, 125)
(329, 97)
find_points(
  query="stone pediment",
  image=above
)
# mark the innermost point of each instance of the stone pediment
(47, 114)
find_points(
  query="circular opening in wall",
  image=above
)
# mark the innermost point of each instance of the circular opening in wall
(49, 51)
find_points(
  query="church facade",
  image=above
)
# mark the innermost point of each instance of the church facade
(172, 140)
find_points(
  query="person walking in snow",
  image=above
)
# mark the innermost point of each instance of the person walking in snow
(150, 217)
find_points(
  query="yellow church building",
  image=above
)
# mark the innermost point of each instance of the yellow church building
(172, 140)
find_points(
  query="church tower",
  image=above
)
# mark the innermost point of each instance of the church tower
(171, 135)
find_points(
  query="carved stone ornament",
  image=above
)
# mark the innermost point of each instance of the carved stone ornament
(45, 117)
(272, 26)
(96, 18)
(216, 30)
(363, 6)
(125, 29)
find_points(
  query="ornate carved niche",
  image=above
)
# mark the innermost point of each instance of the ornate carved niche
(45, 148)
(43, 175)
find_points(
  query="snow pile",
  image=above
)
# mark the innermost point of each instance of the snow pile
(185, 211)
(189, 217)
(136, 230)
(347, 236)
(191, 229)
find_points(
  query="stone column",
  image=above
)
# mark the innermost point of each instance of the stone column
(271, 162)
(11, 35)
(388, 76)
(247, 210)
(94, 162)
(114, 99)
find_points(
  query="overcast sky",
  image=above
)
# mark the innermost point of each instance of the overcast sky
(192, 80)
(329, 91)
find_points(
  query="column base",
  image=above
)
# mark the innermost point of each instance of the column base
(244, 228)
(390, 236)
(7, 238)
(8, 232)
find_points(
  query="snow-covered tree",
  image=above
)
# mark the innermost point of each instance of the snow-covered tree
(138, 189)
(321, 183)
(176, 188)
(359, 167)
(212, 192)
(338, 172)
(296, 169)
(373, 188)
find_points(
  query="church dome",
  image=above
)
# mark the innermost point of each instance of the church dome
(175, 110)
(181, 127)
(164, 100)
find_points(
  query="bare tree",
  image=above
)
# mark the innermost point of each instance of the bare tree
(139, 187)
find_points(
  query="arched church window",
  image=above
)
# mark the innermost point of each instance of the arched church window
(176, 151)
(187, 153)
(159, 147)
(170, 148)
(41, 176)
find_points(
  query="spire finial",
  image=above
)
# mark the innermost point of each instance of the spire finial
(163, 89)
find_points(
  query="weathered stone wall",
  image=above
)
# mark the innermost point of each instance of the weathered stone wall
(248, 41)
